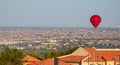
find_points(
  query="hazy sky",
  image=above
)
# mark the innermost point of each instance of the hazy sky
(58, 13)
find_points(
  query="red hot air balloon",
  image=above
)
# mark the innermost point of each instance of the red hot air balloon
(95, 20)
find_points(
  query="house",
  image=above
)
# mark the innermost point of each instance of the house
(93, 56)
(102, 57)
(81, 56)
(29, 60)
(73, 60)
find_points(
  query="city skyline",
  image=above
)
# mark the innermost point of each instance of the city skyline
(63, 13)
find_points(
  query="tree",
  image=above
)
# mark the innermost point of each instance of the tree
(11, 56)
(54, 54)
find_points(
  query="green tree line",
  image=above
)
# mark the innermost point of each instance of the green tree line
(11, 56)
(58, 53)
(14, 56)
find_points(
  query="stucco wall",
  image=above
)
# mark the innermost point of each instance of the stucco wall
(117, 63)
(95, 63)
(110, 63)
(74, 63)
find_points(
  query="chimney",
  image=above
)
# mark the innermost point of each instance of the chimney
(56, 61)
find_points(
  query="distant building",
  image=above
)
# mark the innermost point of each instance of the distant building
(52, 41)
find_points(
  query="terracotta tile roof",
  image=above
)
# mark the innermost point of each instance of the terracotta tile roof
(32, 63)
(72, 58)
(90, 50)
(108, 57)
(102, 55)
(48, 62)
(110, 54)
(30, 59)
(51, 62)
(38, 63)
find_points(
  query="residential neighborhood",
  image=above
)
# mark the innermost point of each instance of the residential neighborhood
(59, 38)
(81, 56)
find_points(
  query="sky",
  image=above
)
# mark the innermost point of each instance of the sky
(58, 13)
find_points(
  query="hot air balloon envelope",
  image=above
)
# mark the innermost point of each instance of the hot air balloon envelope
(95, 20)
